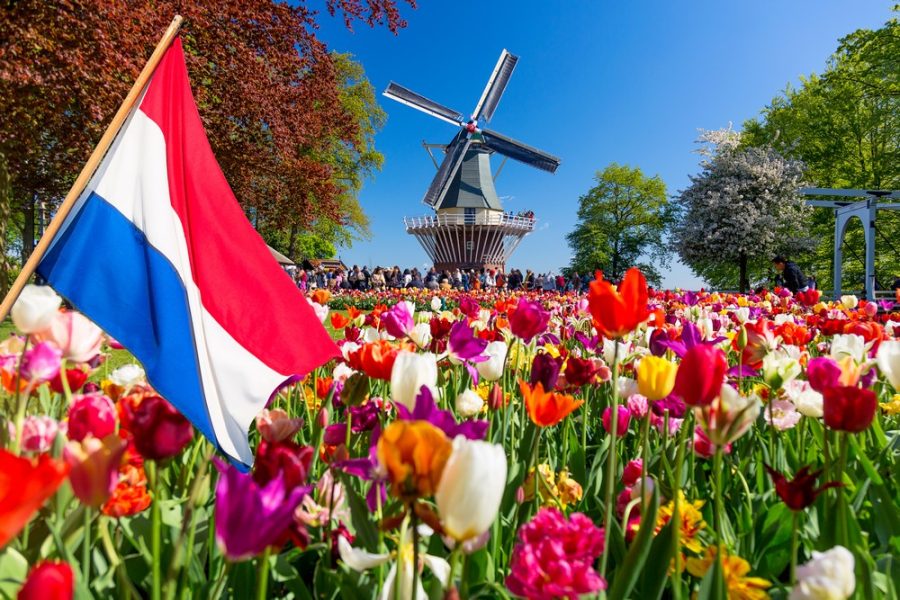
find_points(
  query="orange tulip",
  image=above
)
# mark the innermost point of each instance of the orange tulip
(321, 296)
(323, 386)
(547, 408)
(618, 311)
(413, 453)
(24, 487)
(339, 321)
(353, 312)
(375, 359)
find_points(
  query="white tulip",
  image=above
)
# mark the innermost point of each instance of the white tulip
(320, 310)
(852, 345)
(410, 372)
(471, 488)
(808, 401)
(469, 404)
(421, 335)
(827, 576)
(127, 375)
(436, 304)
(371, 335)
(35, 308)
(779, 369)
(492, 368)
(849, 302)
(889, 362)
(357, 558)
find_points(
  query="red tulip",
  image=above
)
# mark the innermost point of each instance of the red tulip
(24, 487)
(528, 319)
(618, 311)
(580, 371)
(287, 458)
(158, 429)
(75, 377)
(849, 408)
(700, 375)
(823, 373)
(91, 414)
(799, 492)
(49, 580)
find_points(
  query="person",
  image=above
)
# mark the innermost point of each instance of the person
(791, 276)
(896, 287)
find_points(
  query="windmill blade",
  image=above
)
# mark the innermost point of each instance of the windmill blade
(495, 87)
(419, 102)
(456, 152)
(519, 151)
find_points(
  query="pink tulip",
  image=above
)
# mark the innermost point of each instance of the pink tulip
(38, 433)
(77, 337)
(91, 414)
(41, 363)
(94, 467)
(528, 319)
(276, 426)
(622, 425)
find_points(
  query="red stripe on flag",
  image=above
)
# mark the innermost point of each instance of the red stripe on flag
(240, 284)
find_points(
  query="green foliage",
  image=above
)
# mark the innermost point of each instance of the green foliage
(621, 223)
(844, 124)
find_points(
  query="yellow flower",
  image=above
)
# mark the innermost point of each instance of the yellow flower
(570, 491)
(738, 586)
(742, 301)
(546, 485)
(552, 350)
(413, 453)
(691, 521)
(892, 407)
(656, 377)
(312, 401)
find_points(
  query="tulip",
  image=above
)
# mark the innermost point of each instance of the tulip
(39, 433)
(828, 575)
(889, 362)
(823, 373)
(729, 416)
(656, 377)
(250, 517)
(545, 370)
(320, 310)
(849, 302)
(632, 472)
(700, 375)
(703, 447)
(469, 404)
(849, 408)
(464, 346)
(492, 368)
(547, 408)
(421, 335)
(398, 321)
(72, 332)
(159, 430)
(807, 401)
(35, 308)
(580, 371)
(91, 414)
(284, 459)
(622, 425)
(412, 371)
(413, 455)
(779, 368)
(852, 345)
(94, 467)
(800, 492)
(618, 311)
(24, 487)
(375, 359)
(276, 426)
(75, 379)
(49, 580)
(41, 363)
(528, 320)
(471, 488)
(127, 376)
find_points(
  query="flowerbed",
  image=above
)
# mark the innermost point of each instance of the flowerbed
(625, 443)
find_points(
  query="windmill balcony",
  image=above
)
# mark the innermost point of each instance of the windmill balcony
(518, 223)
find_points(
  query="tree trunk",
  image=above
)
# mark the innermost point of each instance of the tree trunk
(292, 242)
(5, 215)
(744, 283)
(28, 229)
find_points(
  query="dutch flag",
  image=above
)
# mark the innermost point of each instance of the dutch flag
(158, 252)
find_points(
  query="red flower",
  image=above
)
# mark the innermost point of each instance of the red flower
(849, 408)
(75, 377)
(24, 487)
(760, 341)
(528, 320)
(375, 359)
(799, 492)
(49, 580)
(91, 414)
(618, 311)
(158, 429)
(700, 375)
(579, 371)
(286, 457)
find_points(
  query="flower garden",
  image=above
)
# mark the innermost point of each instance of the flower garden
(625, 443)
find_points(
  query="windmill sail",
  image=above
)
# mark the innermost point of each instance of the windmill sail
(420, 102)
(519, 151)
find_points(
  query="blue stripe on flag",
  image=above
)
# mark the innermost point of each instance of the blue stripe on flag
(107, 269)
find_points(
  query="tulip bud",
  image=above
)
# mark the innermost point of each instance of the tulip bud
(35, 308)
(322, 418)
(496, 399)
(742, 338)
(94, 467)
(520, 495)
(49, 580)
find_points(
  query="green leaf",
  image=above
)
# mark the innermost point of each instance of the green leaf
(627, 574)
(653, 577)
(13, 570)
(712, 586)
(360, 516)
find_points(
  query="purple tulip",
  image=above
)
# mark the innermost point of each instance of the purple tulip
(398, 321)
(464, 345)
(250, 518)
(427, 410)
(41, 363)
(545, 370)
(368, 469)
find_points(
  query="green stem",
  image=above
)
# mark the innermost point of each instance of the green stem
(843, 533)
(155, 529)
(262, 583)
(222, 581)
(795, 531)
(86, 546)
(21, 402)
(415, 537)
(717, 514)
(611, 457)
(676, 508)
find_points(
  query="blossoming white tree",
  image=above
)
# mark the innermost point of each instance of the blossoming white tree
(742, 209)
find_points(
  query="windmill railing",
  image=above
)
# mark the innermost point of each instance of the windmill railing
(519, 222)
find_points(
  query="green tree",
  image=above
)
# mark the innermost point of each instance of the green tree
(845, 126)
(622, 222)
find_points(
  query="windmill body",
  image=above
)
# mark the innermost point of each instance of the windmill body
(470, 229)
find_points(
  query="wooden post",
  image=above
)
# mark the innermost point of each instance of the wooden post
(90, 166)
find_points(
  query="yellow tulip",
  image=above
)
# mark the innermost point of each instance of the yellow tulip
(656, 377)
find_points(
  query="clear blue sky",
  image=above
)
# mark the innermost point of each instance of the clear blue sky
(597, 82)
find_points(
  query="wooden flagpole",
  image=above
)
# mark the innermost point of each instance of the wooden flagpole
(90, 166)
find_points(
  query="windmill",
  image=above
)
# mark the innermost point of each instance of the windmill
(469, 228)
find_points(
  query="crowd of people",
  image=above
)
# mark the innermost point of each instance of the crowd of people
(382, 278)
